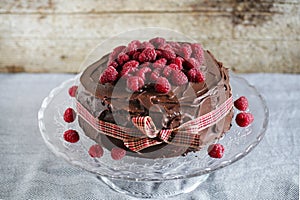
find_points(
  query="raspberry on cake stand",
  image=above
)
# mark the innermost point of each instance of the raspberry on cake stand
(143, 176)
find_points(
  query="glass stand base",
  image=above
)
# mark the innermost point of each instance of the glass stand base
(152, 189)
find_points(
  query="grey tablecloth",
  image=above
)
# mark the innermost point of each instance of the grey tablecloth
(28, 170)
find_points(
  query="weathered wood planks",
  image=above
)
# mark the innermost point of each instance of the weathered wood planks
(56, 35)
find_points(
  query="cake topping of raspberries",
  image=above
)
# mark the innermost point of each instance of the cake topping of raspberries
(136, 55)
(71, 136)
(244, 119)
(241, 103)
(114, 55)
(132, 64)
(118, 50)
(96, 151)
(158, 53)
(144, 62)
(191, 63)
(123, 58)
(186, 51)
(176, 47)
(114, 64)
(198, 53)
(174, 66)
(127, 71)
(195, 75)
(134, 83)
(129, 67)
(179, 78)
(162, 85)
(165, 46)
(167, 71)
(72, 90)
(157, 41)
(154, 75)
(133, 47)
(215, 151)
(178, 61)
(109, 75)
(117, 153)
(168, 54)
(146, 45)
(142, 72)
(69, 115)
(147, 55)
(161, 63)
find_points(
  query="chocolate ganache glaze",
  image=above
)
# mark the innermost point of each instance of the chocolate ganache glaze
(116, 104)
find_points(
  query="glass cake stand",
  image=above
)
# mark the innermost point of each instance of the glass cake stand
(149, 178)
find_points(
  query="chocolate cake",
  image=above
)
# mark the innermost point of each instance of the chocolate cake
(172, 84)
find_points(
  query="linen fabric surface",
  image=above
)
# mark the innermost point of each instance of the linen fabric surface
(29, 170)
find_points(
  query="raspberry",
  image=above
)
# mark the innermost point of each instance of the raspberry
(155, 75)
(178, 61)
(158, 53)
(162, 85)
(117, 153)
(198, 53)
(168, 54)
(131, 64)
(216, 151)
(118, 49)
(114, 64)
(244, 119)
(174, 66)
(174, 45)
(179, 78)
(122, 58)
(146, 45)
(73, 90)
(134, 83)
(191, 63)
(165, 46)
(142, 72)
(132, 47)
(195, 75)
(127, 71)
(161, 63)
(129, 67)
(146, 64)
(167, 71)
(186, 51)
(71, 136)
(96, 151)
(69, 115)
(157, 41)
(147, 55)
(109, 75)
(136, 55)
(241, 103)
(114, 55)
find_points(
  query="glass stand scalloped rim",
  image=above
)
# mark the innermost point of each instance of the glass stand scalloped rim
(148, 178)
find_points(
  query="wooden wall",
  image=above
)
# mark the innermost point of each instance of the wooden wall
(56, 35)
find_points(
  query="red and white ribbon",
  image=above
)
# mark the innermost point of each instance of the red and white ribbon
(145, 134)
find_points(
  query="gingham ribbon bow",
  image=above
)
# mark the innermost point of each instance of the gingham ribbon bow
(145, 134)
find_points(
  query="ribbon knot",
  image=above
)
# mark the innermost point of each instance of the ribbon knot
(146, 126)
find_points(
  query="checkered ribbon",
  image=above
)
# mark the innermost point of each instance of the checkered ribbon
(145, 134)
